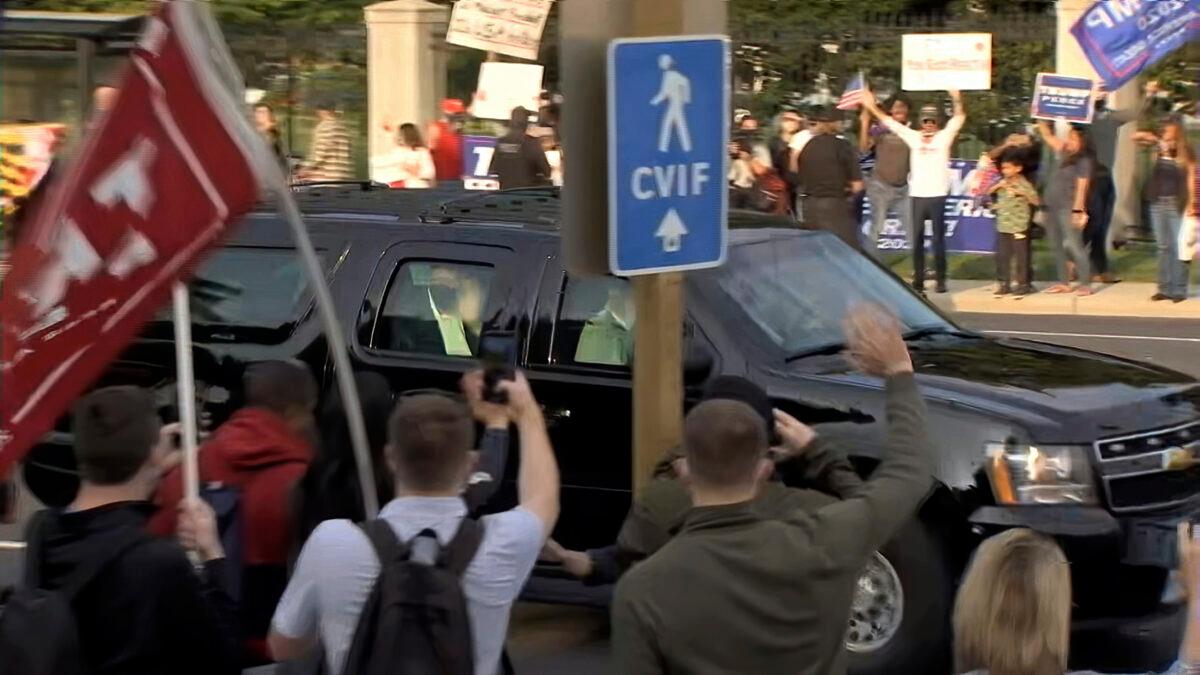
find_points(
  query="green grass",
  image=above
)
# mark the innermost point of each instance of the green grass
(1137, 261)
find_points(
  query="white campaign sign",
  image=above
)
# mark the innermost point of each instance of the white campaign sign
(504, 86)
(511, 27)
(941, 61)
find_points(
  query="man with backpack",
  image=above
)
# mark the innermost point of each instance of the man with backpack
(101, 595)
(424, 588)
(257, 457)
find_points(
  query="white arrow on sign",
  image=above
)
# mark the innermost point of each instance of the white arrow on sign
(671, 230)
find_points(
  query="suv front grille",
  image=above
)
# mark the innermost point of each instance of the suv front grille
(1154, 489)
(1150, 470)
(1152, 442)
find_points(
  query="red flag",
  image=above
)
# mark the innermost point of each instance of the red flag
(156, 185)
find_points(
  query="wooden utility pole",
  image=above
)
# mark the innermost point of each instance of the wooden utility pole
(658, 342)
(585, 29)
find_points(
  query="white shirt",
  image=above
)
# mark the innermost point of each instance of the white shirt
(929, 157)
(405, 167)
(337, 569)
(799, 140)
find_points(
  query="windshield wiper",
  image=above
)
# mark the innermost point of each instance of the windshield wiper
(927, 331)
(823, 350)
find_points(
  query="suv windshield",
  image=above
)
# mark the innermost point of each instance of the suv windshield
(248, 292)
(796, 290)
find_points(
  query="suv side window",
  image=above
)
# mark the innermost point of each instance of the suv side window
(595, 323)
(434, 307)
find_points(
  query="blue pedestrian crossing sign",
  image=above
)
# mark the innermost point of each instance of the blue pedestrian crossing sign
(668, 133)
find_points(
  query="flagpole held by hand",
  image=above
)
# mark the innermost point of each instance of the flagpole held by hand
(186, 385)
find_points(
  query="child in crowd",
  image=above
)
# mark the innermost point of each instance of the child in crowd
(1015, 199)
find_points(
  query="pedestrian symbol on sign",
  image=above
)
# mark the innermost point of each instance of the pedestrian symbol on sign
(676, 90)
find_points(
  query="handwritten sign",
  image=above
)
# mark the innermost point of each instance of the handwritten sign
(940, 61)
(504, 86)
(511, 27)
(1121, 39)
(1058, 97)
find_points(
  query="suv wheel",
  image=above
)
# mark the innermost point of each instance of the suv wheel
(900, 617)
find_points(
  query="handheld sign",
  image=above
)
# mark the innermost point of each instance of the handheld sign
(477, 154)
(939, 61)
(1058, 97)
(668, 131)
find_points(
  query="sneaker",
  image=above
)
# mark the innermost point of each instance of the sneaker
(918, 285)
(941, 287)
(1022, 291)
(1178, 299)
(1159, 297)
(1001, 289)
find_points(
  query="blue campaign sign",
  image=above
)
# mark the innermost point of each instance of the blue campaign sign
(1058, 97)
(970, 226)
(668, 132)
(1122, 38)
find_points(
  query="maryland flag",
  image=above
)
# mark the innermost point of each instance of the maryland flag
(25, 154)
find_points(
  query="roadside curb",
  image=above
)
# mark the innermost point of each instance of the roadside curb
(1128, 300)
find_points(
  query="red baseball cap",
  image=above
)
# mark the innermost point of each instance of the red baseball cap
(452, 106)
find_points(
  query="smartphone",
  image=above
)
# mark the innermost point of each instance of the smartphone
(498, 356)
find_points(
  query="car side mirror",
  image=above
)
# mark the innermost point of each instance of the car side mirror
(698, 363)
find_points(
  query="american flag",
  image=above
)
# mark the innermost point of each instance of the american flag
(852, 97)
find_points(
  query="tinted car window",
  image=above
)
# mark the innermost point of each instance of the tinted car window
(248, 293)
(434, 307)
(796, 289)
(595, 323)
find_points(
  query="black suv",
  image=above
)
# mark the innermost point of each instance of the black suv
(1088, 448)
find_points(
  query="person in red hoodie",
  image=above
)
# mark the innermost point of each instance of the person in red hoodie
(261, 452)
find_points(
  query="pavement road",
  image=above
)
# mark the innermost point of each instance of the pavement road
(1173, 343)
(546, 639)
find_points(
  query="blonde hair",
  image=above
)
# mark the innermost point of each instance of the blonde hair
(1013, 611)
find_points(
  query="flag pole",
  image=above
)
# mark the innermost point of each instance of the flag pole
(186, 383)
(275, 180)
(337, 344)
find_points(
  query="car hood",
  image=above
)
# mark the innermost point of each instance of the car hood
(1058, 394)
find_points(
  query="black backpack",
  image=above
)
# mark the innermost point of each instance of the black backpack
(38, 632)
(415, 621)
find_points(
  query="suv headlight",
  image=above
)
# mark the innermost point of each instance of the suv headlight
(1029, 474)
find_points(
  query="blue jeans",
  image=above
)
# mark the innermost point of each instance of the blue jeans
(885, 197)
(1172, 272)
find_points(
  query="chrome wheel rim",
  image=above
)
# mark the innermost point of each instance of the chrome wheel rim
(878, 607)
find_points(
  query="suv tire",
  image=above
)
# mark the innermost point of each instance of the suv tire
(921, 642)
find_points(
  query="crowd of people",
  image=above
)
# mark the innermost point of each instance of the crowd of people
(755, 524)
(904, 172)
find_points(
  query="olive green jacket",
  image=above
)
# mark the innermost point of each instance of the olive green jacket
(745, 588)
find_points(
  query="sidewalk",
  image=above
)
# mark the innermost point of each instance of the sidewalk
(1126, 299)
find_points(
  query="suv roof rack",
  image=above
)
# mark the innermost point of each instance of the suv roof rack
(535, 205)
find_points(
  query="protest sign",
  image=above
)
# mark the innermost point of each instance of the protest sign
(158, 181)
(941, 61)
(1058, 97)
(504, 86)
(970, 227)
(477, 160)
(1121, 39)
(511, 27)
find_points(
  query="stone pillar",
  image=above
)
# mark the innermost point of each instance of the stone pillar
(1070, 60)
(406, 67)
